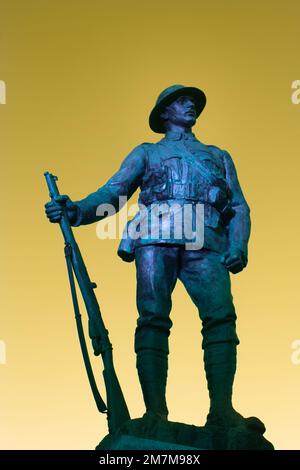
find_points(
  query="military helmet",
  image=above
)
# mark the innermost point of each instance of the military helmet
(169, 95)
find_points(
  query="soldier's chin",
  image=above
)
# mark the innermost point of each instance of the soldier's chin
(190, 120)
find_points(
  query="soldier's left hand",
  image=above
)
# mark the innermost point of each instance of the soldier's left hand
(234, 260)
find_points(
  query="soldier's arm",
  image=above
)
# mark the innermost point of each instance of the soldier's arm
(240, 225)
(123, 183)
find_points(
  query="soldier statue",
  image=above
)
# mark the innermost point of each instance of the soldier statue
(179, 169)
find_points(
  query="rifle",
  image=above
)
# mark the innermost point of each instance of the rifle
(116, 408)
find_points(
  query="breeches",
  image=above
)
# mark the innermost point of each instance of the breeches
(207, 282)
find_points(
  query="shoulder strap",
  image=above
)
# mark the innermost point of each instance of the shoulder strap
(207, 175)
(153, 158)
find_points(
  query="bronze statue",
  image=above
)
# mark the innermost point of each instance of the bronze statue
(180, 171)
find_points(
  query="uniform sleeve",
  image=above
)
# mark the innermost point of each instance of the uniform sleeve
(240, 224)
(123, 183)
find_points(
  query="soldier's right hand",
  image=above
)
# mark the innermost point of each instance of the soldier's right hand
(54, 209)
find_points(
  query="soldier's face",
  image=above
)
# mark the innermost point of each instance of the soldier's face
(181, 112)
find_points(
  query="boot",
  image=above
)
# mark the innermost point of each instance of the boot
(152, 366)
(220, 367)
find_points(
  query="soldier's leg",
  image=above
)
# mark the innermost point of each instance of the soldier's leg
(157, 268)
(208, 284)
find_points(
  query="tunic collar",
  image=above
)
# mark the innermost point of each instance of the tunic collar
(180, 136)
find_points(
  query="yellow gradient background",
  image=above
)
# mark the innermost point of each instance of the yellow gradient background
(82, 77)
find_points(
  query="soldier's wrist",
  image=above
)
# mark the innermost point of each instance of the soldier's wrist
(74, 215)
(242, 249)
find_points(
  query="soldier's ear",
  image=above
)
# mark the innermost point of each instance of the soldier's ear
(164, 114)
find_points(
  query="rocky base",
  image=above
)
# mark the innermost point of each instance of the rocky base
(153, 434)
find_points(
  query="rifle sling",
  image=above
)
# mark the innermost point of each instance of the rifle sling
(97, 397)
